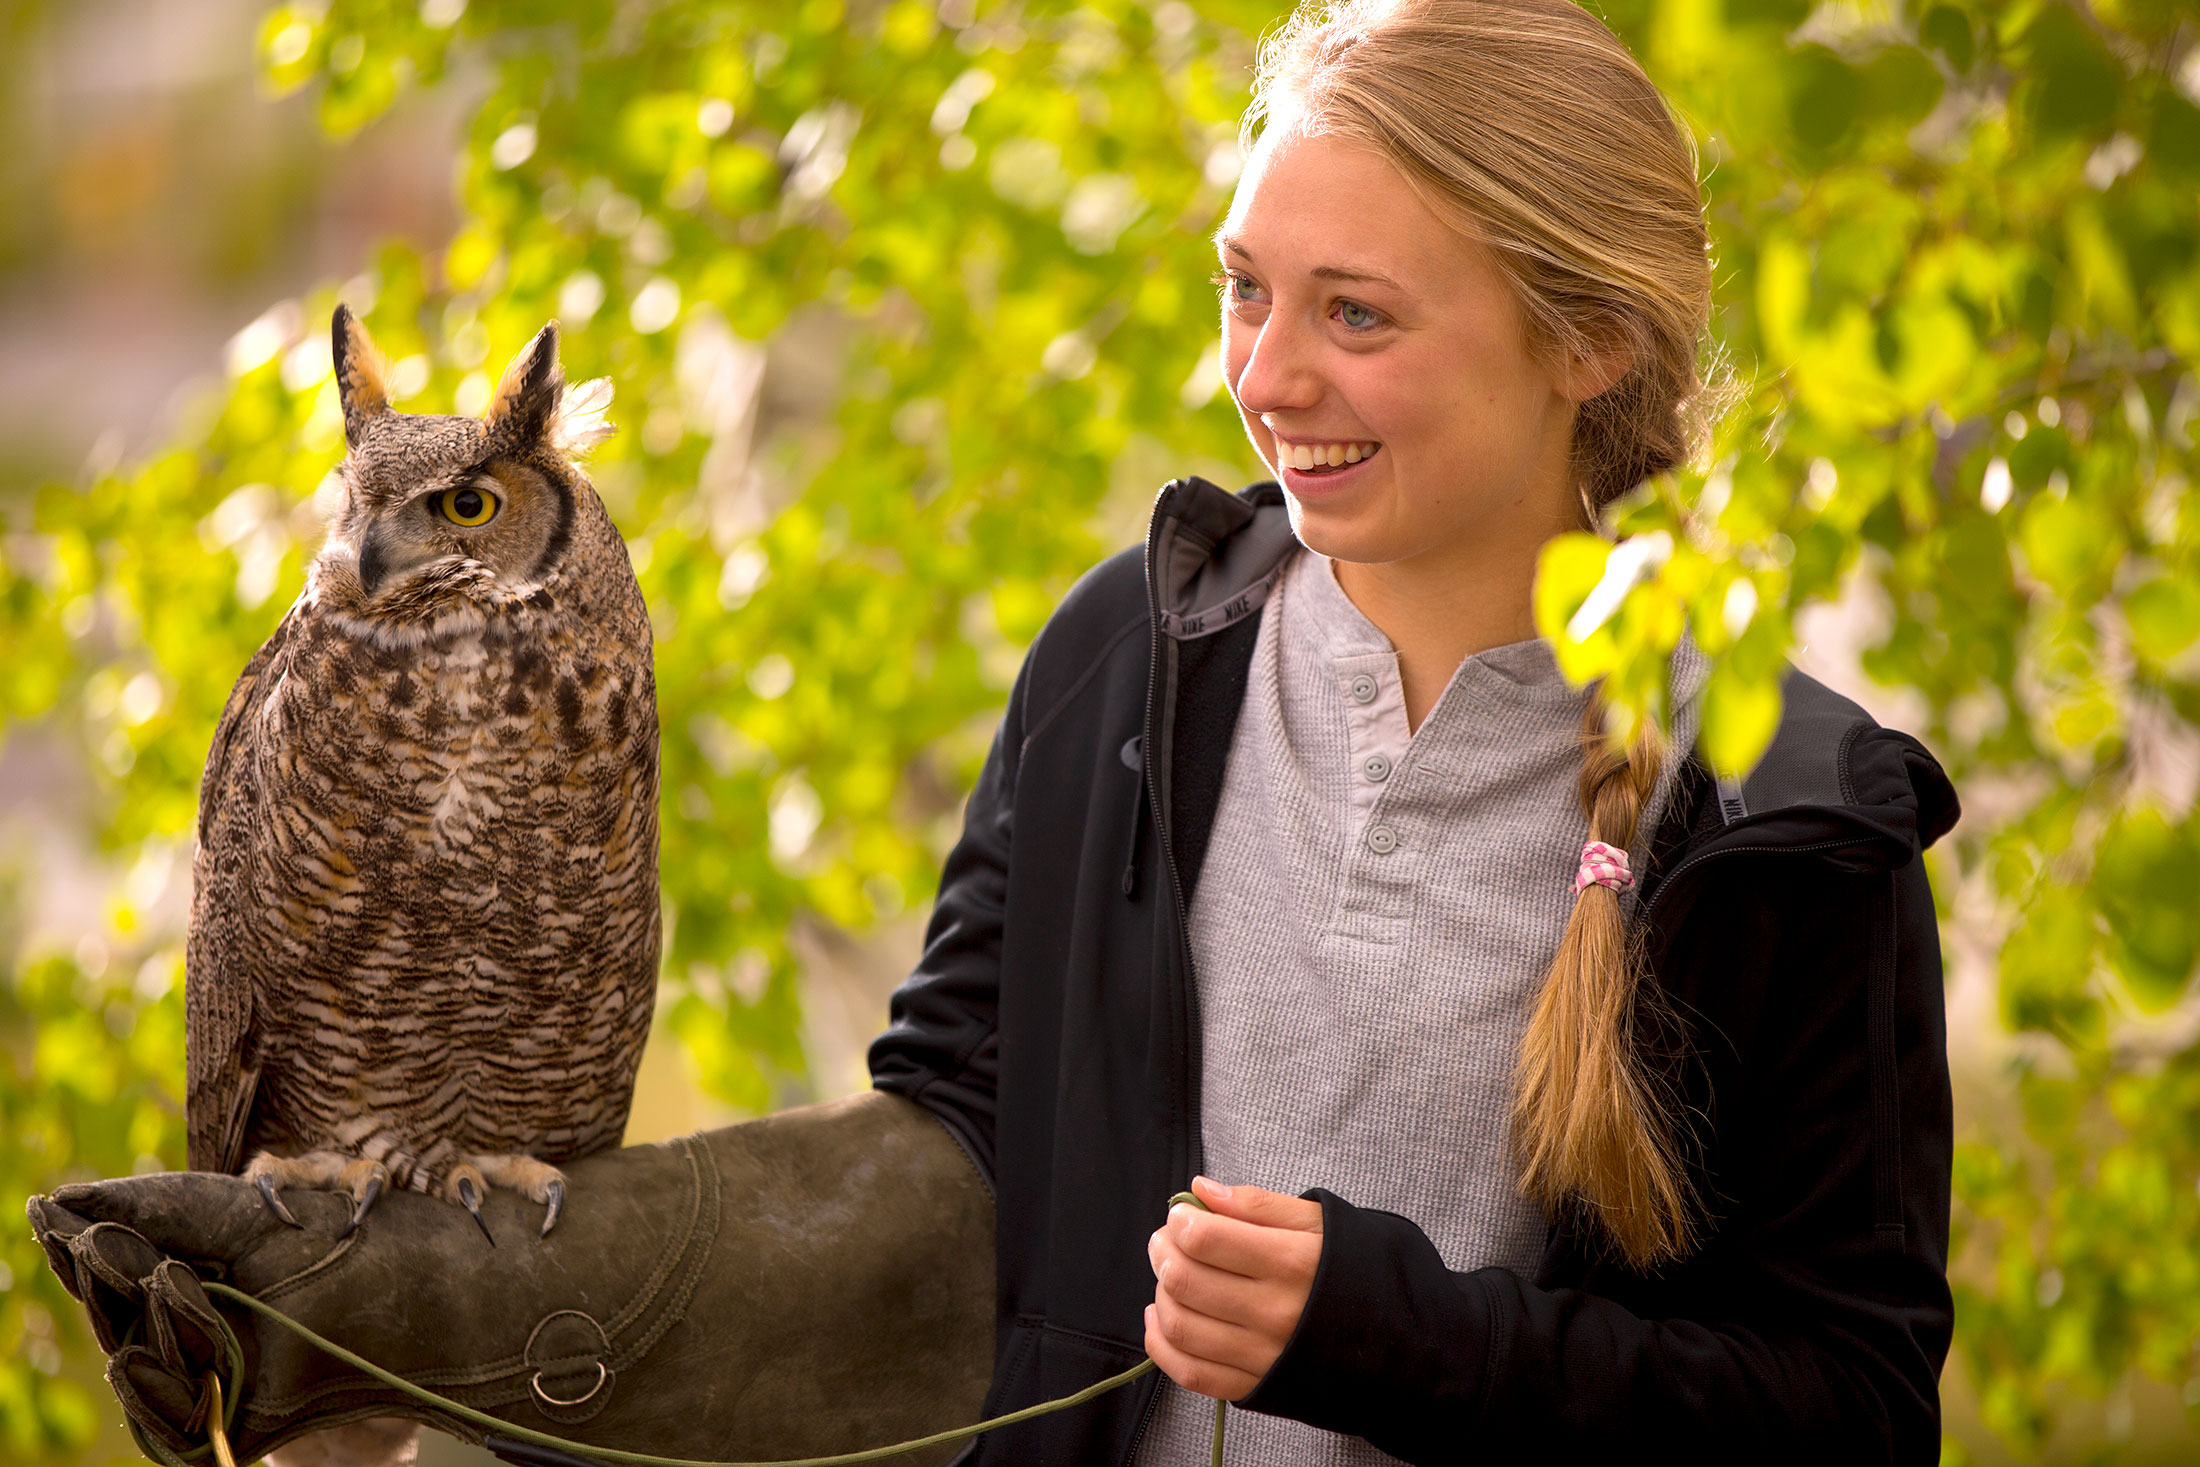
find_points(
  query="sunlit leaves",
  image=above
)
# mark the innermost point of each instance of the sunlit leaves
(2086, 1280)
(91, 1060)
(1568, 568)
(1617, 613)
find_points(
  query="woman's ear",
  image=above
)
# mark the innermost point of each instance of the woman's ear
(1595, 370)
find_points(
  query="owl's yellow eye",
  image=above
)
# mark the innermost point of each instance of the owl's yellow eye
(468, 506)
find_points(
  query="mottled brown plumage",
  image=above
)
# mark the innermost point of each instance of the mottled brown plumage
(424, 931)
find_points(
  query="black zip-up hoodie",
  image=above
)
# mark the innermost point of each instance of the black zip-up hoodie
(1052, 1025)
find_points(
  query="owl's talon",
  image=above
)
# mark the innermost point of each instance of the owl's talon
(469, 1197)
(372, 1190)
(266, 1184)
(556, 1188)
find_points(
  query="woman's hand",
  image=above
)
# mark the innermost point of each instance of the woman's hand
(1230, 1285)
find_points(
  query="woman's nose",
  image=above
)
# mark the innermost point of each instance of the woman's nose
(1278, 372)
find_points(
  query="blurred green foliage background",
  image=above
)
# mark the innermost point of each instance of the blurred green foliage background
(1958, 252)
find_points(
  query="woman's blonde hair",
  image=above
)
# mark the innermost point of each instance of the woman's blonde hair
(1529, 126)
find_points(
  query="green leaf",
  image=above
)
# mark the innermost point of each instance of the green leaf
(2164, 616)
(2146, 878)
(1783, 14)
(2047, 966)
(2069, 542)
(2075, 88)
(1948, 30)
(2173, 142)
(1900, 86)
(656, 127)
(1824, 95)
(1568, 568)
(1783, 294)
(1740, 715)
(2042, 451)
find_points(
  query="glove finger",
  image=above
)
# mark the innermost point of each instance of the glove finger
(116, 1257)
(53, 1226)
(111, 1265)
(186, 1332)
(165, 1404)
(190, 1215)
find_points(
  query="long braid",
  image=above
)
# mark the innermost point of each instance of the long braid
(1592, 1127)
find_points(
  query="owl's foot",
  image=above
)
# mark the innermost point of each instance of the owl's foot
(323, 1171)
(465, 1186)
(364, 1180)
(538, 1181)
(262, 1175)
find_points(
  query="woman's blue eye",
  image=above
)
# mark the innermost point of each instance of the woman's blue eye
(1237, 287)
(1365, 319)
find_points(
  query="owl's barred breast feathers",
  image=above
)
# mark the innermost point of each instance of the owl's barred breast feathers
(425, 924)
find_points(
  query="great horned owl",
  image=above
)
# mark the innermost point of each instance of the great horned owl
(424, 933)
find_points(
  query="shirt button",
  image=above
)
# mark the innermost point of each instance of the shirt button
(1376, 767)
(1382, 840)
(1363, 689)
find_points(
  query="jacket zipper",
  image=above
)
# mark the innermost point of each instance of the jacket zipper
(1189, 1009)
(1158, 805)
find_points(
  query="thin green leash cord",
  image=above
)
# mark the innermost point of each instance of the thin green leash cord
(635, 1459)
(642, 1459)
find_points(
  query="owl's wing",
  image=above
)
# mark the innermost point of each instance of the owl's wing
(220, 1075)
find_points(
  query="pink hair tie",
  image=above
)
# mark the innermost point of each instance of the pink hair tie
(1603, 865)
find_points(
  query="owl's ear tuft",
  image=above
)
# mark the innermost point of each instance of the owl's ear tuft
(359, 374)
(579, 423)
(527, 397)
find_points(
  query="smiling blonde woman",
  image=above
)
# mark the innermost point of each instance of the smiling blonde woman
(1635, 1080)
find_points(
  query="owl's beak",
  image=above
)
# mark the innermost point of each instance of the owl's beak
(373, 564)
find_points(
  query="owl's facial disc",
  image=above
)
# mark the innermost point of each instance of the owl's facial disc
(497, 525)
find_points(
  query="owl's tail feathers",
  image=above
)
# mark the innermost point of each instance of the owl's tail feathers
(382, 1441)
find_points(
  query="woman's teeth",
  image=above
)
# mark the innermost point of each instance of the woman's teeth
(1307, 457)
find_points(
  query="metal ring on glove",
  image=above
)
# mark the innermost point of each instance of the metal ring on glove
(603, 1374)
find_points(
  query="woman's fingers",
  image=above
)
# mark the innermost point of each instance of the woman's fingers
(1259, 1205)
(1231, 1285)
(1251, 1249)
(1194, 1372)
(1203, 1336)
(1270, 1306)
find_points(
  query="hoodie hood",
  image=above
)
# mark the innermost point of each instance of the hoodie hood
(1829, 754)
(1212, 556)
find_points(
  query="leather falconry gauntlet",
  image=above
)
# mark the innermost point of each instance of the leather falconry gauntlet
(815, 1282)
